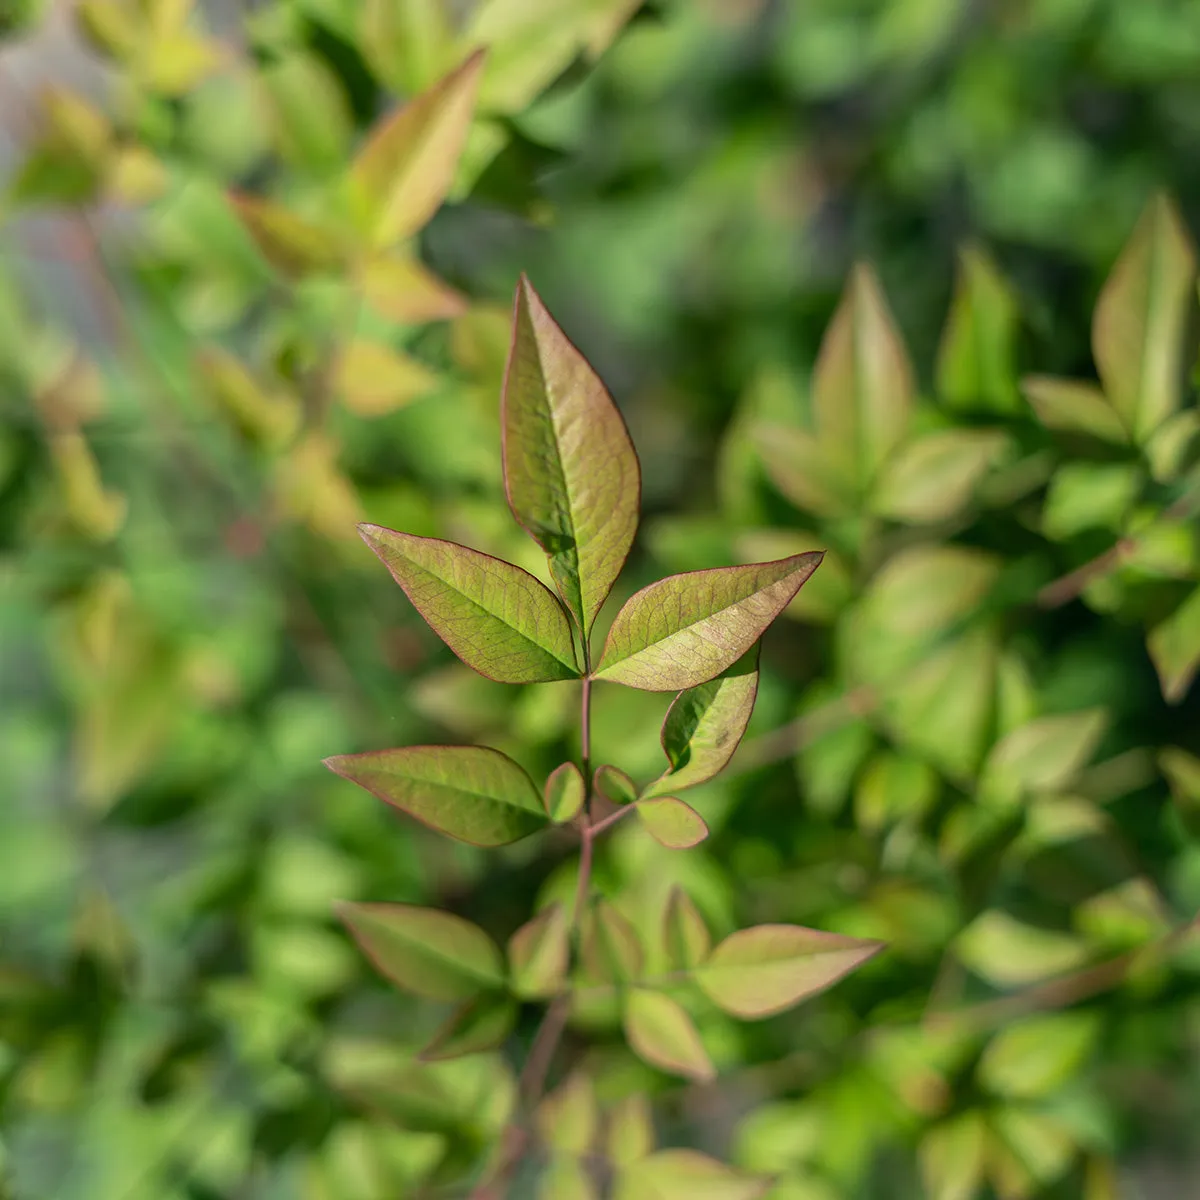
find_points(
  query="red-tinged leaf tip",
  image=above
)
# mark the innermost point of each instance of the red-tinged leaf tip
(686, 629)
(499, 619)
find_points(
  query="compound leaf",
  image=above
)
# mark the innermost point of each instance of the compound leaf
(685, 629)
(570, 470)
(659, 1031)
(471, 793)
(425, 950)
(496, 617)
(763, 970)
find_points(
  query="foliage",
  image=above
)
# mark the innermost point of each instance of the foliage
(971, 734)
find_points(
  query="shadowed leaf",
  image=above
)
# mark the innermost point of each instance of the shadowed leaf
(1141, 318)
(538, 954)
(403, 173)
(704, 725)
(801, 469)
(424, 950)
(763, 970)
(685, 629)
(475, 1027)
(471, 793)
(675, 1174)
(564, 793)
(862, 383)
(659, 1031)
(1174, 646)
(671, 822)
(685, 933)
(570, 470)
(496, 617)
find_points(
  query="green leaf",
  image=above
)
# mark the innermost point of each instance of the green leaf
(661, 1033)
(424, 950)
(475, 1027)
(372, 379)
(538, 954)
(293, 246)
(568, 1118)
(675, 1174)
(1182, 771)
(893, 787)
(686, 629)
(405, 44)
(671, 822)
(310, 112)
(471, 793)
(976, 365)
(704, 725)
(611, 949)
(766, 969)
(1038, 1055)
(496, 617)
(403, 289)
(1141, 319)
(567, 1179)
(862, 383)
(799, 466)
(613, 784)
(1028, 1150)
(1072, 407)
(1086, 495)
(1173, 445)
(953, 1157)
(570, 470)
(1008, 953)
(402, 175)
(630, 1135)
(685, 934)
(1174, 646)
(1043, 755)
(934, 477)
(564, 793)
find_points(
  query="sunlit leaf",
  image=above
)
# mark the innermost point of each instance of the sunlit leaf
(403, 289)
(406, 44)
(659, 1031)
(1008, 953)
(1174, 646)
(800, 467)
(401, 176)
(425, 950)
(976, 366)
(471, 793)
(685, 629)
(1071, 407)
(763, 970)
(310, 112)
(671, 822)
(568, 1119)
(612, 783)
(570, 470)
(567, 1179)
(675, 1174)
(686, 938)
(862, 383)
(538, 953)
(1028, 1149)
(373, 380)
(704, 725)
(1044, 754)
(1141, 318)
(1088, 495)
(476, 1026)
(611, 949)
(291, 244)
(934, 477)
(953, 1157)
(630, 1135)
(1039, 1054)
(564, 793)
(496, 617)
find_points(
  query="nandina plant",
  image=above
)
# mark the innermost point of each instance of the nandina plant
(573, 483)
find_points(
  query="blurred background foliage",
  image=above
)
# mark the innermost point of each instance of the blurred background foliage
(977, 732)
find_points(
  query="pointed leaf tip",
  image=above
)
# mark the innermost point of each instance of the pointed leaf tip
(685, 629)
(660, 1032)
(570, 470)
(499, 619)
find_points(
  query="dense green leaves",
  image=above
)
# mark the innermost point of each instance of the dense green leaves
(660, 1031)
(472, 793)
(766, 969)
(704, 725)
(683, 630)
(494, 616)
(570, 470)
(425, 950)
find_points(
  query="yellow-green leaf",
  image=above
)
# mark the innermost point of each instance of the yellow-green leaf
(953, 1157)
(496, 617)
(613, 784)
(934, 477)
(403, 289)
(1044, 754)
(471, 793)
(291, 244)
(659, 1031)
(373, 380)
(538, 954)
(1008, 953)
(686, 1175)
(1174, 646)
(611, 949)
(686, 938)
(1072, 407)
(425, 950)
(568, 1119)
(570, 470)
(671, 822)
(803, 471)
(766, 969)
(564, 793)
(686, 629)
(567, 1179)
(475, 1027)
(1039, 1054)
(630, 1135)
